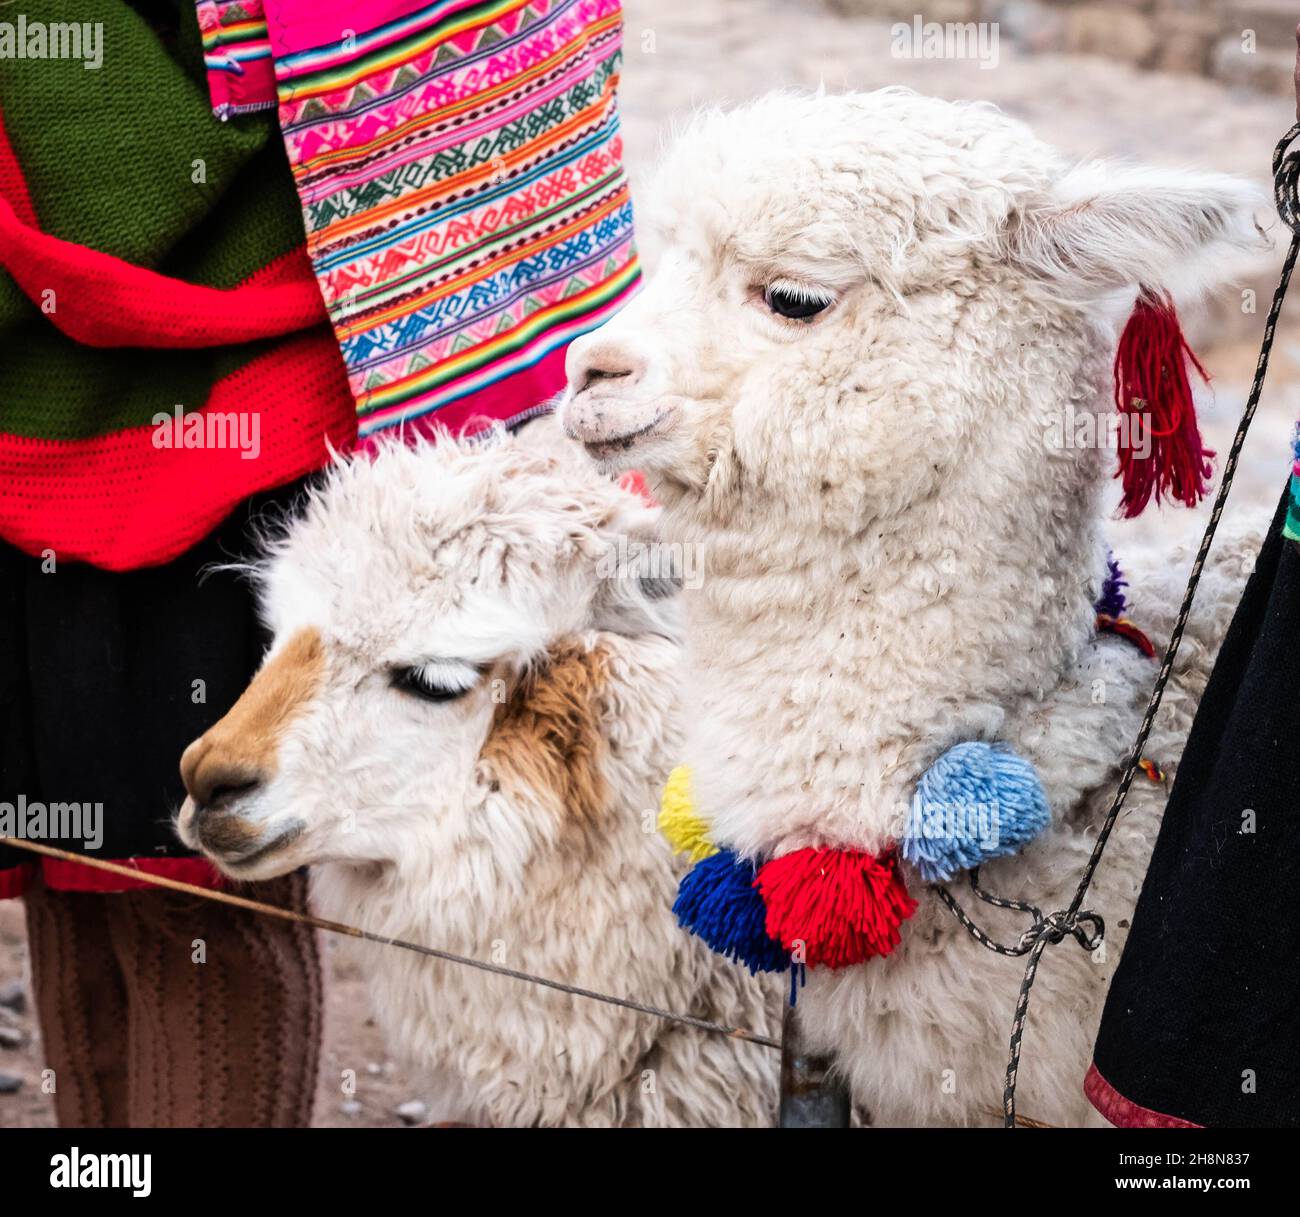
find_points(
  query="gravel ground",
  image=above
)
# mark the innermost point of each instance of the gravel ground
(685, 53)
(352, 1043)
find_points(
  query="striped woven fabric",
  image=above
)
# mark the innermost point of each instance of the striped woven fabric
(460, 169)
(237, 55)
(1291, 526)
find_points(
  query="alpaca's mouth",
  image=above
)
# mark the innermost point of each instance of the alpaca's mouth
(607, 449)
(236, 860)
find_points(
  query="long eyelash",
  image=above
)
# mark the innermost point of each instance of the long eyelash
(436, 681)
(801, 292)
(450, 676)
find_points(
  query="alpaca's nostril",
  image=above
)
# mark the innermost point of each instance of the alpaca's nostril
(216, 774)
(214, 786)
(598, 358)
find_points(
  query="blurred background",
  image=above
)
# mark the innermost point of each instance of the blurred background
(1203, 83)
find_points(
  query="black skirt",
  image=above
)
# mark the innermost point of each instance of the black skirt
(105, 677)
(1202, 1022)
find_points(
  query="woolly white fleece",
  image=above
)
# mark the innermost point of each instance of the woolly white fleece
(488, 558)
(896, 557)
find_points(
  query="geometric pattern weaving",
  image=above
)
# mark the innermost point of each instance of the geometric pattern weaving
(460, 169)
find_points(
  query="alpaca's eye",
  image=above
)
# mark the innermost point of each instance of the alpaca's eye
(436, 681)
(794, 303)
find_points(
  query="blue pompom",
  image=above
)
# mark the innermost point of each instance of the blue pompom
(977, 801)
(717, 901)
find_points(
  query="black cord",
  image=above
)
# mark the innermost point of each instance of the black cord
(1085, 926)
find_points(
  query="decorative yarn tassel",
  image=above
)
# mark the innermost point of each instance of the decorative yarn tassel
(1153, 390)
(1152, 771)
(682, 828)
(977, 801)
(834, 907)
(1112, 602)
(798, 979)
(717, 901)
(1128, 631)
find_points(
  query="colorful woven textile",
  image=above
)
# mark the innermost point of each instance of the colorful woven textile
(237, 55)
(460, 170)
(1291, 526)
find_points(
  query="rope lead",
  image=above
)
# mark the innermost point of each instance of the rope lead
(1071, 922)
(352, 931)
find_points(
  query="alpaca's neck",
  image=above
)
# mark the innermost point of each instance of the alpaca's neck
(826, 671)
(528, 885)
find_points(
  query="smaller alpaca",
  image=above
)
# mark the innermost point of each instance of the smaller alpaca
(462, 726)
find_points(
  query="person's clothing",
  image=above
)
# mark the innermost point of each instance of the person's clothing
(237, 54)
(163, 1010)
(1291, 528)
(1202, 1022)
(460, 170)
(152, 260)
(106, 677)
(170, 369)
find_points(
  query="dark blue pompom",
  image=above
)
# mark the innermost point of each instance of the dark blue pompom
(717, 901)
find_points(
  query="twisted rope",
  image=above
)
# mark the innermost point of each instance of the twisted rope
(338, 927)
(1075, 920)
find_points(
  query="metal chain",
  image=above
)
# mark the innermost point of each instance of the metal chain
(1073, 921)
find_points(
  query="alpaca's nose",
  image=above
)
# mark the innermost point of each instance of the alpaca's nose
(214, 776)
(597, 361)
(607, 400)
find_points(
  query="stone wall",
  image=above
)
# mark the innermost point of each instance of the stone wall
(1240, 42)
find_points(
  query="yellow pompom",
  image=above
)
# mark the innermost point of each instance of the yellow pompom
(684, 830)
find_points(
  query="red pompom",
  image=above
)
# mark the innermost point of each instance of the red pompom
(633, 481)
(843, 905)
(1153, 389)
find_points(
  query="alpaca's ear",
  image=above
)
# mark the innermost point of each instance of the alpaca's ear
(640, 579)
(634, 607)
(638, 575)
(1108, 226)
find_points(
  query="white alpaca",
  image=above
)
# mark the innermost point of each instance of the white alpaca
(463, 725)
(870, 314)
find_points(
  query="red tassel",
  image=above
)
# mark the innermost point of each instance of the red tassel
(842, 905)
(1152, 387)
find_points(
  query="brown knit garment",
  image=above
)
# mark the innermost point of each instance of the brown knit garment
(140, 1035)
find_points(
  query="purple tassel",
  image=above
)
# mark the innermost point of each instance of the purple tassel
(1112, 601)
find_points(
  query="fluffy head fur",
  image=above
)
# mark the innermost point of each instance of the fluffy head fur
(879, 482)
(896, 555)
(474, 766)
